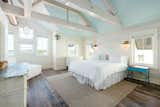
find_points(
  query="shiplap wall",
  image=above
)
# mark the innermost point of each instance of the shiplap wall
(3, 33)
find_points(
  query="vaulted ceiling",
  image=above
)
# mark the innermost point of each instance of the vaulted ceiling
(133, 12)
(128, 13)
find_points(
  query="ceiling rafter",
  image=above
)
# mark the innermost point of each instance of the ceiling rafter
(37, 2)
(85, 6)
(54, 2)
(109, 7)
(88, 23)
(27, 8)
(17, 11)
(33, 4)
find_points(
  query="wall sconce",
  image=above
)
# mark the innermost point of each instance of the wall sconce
(94, 46)
(58, 37)
(71, 45)
(125, 44)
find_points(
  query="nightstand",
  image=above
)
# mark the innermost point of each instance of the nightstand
(140, 69)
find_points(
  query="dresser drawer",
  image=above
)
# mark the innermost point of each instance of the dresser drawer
(14, 99)
(12, 84)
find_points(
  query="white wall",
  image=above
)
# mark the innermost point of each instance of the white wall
(44, 60)
(60, 50)
(110, 44)
(3, 34)
(56, 57)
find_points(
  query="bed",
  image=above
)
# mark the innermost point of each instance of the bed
(98, 74)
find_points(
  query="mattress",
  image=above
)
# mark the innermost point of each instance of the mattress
(99, 75)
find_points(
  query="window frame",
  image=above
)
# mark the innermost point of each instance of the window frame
(23, 38)
(144, 34)
(88, 47)
(77, 50)
(26, 52)
(14, 50)
(36, 48)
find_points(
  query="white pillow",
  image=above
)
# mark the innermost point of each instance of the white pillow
(124, 60)
(94, 57)
(114, 59)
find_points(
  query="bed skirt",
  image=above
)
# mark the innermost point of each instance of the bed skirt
(108, 82)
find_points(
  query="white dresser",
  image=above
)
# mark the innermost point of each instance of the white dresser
(13, 86)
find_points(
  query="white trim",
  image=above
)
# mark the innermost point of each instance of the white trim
(27, 8)
(142, 34)
(36, 44)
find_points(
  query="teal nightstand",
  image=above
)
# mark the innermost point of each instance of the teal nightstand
(140, 69)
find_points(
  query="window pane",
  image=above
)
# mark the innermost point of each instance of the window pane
(139, 57)
(42, 45)
(26, 48)
(26, 33)
(73, 50)
(90, 50)
(148, 56)
(147, 43)
(11, 50)
(139, 44)
(144, 51)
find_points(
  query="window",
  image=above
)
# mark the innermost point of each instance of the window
(73, 50)
(27, 48)
(90, 50)
(143, 50)
(42, 46)
(11, 48)
(26, 33)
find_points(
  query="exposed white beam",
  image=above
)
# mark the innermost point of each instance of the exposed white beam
(109, 6)
(27, 8)
(36, 3)
(85, 19)
(58, 21)
(33, 4)
(86, 7)
(13, 10)
(59, 4)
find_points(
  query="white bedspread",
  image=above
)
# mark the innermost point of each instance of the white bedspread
(95, 71)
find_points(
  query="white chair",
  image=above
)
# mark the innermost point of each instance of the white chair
(33, 70)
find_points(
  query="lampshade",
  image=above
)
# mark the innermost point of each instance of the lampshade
(125, 44)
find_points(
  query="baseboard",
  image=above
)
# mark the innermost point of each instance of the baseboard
(61, 69)
(143, 83)
(49, 69)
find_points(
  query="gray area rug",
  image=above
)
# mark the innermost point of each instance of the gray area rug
(79, 95)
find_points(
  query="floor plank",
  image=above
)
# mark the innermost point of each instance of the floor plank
(142, 96)
(40, 94)
(51, 72)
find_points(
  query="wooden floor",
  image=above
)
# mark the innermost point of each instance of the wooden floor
(40, 94)
(50, 72)
(142, 96)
